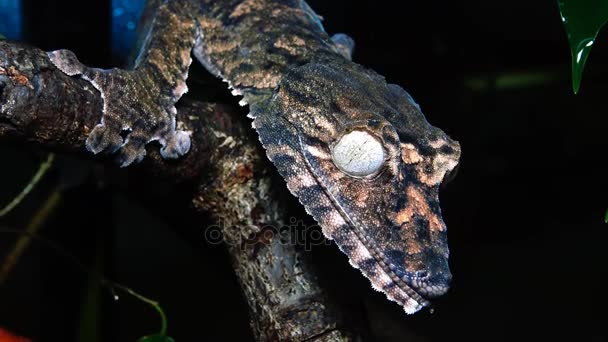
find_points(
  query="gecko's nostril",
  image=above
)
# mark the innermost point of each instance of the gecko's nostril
(422, 274)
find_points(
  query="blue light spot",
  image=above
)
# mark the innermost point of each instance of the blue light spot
(117, 12)
(125, 16)
(10, 18)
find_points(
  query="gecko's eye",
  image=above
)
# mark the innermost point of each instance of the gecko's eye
(358, 154)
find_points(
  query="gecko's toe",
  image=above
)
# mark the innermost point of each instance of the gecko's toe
(345, 45)
(134, 147)
(176, 145)
(104, 138)
(132, 151)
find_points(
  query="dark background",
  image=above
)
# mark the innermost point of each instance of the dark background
(525, 212)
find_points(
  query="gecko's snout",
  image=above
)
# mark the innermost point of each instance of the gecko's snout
(425, 273)
(434, 286)
(432, 281)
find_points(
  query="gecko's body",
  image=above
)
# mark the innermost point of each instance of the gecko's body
(356, 151)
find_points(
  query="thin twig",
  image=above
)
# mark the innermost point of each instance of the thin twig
(32, 229)
(155, 304)
(42, 169)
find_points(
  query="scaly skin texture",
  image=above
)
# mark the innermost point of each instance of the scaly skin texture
(304, 94)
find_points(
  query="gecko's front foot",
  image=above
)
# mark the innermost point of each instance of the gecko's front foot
(138, 107)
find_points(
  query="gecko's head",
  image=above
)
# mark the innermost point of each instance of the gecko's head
(367, 165)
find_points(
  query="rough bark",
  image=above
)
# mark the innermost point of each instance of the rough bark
(40, 104)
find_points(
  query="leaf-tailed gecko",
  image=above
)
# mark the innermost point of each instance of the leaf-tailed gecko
(356, 151)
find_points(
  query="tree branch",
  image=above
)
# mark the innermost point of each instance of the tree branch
(40, 104)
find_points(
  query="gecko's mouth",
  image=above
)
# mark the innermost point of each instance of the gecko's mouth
(411, 290)
(386, 270)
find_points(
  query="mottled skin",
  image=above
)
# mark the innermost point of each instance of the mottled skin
(141, 102)
(304, 94)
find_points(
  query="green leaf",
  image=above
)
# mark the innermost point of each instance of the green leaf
(582, 19)
(156, 338)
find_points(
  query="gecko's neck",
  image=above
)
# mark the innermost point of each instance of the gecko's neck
(232, 49)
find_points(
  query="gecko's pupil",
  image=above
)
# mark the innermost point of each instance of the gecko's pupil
(358, 153)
